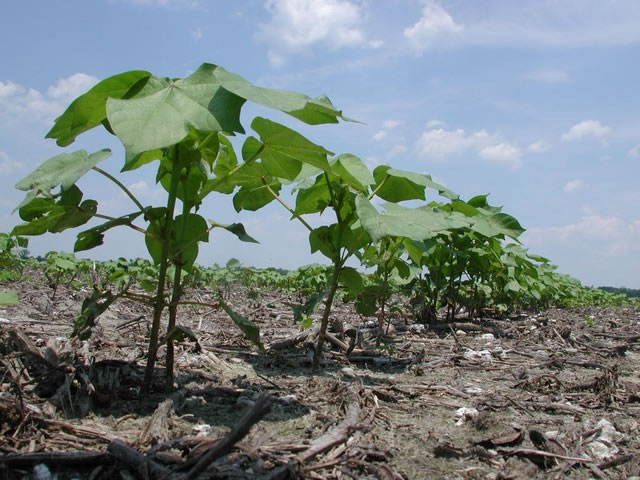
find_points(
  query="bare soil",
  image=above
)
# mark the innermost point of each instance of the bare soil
(548, 395)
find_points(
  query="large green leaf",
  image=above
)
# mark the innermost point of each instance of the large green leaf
(46, 215)
(89, 110)
(250, 330)
(313, 199)
(399, 221)
(313, 111)
(282, 149)
(353, 172)
(402, 185)
(64, 170)
(164, 117)
(497, 224)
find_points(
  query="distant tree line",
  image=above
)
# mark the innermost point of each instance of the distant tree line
(629, 292)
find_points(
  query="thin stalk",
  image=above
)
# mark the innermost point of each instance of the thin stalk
(173, 306)
(325, 316)
(159, 304)
(378, 187)
(121, 185)
(284, 204)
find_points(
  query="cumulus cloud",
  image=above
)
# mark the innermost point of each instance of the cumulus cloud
(549, 23)
(71, 87)
(586, 128)
(548, 75)
(503, 154)
(438, 144)
(634, 152)
(27, 105)
(573, 186)
(390, 124)
(379, 136)
(538, 147)
(197, 34)
(436, 124)
(612, 234)
(435, 26)
(8, 165)
(396, 150)
(296, 25)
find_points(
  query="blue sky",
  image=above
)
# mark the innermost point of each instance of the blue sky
(534, 102)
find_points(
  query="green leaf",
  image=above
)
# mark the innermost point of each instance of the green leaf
(254, 198)
(400, 185)
(283, 149)
(313, 199)
(353, 172)
(8, 298)
(94, 236)
(164, 117)
(399, 221)
(497, 224)
(89, 110)
(45, 215)
(304, 311)
(92, 307)
(192, 229)
(63, 170)
(250, 330)
(322, 240)
(350, 277)
(237, 229)
(309, 110)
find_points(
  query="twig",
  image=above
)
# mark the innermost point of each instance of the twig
(237, 433)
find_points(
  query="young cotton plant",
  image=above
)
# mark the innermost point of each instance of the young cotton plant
(181, 125)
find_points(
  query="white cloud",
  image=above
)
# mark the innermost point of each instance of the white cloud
(439, 144)
(548, 75)
(573, 186)
(69, 88)
(634, 152)
(397, 150)
(197, 34)
(436, 124)
(613, 236)
(390, 124)
(538, 147)
(586, 128)
(8, 165)
(296, 25)
(379, 136)
(503, 154)
(435, 26)
(549, 23)
(19, 104)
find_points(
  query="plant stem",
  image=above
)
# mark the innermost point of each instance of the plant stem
(284, 204)
(325, 316)
(121, 185)
(159, 304)
(175, 297)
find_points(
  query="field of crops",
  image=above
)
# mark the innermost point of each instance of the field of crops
(433, 344)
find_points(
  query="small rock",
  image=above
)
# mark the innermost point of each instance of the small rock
(417, 328)
(465, 413)
(461, 333)
(348, 372)
(487, 338)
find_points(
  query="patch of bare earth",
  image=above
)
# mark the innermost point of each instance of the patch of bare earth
(549, 395)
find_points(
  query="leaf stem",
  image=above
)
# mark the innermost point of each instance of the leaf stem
(121, 185)
(378, 187)
(284, 204)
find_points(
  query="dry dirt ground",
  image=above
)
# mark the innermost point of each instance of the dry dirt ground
(548, 395)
